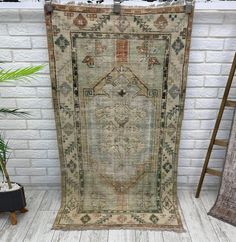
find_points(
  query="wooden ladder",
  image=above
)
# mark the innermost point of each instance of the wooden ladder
(214, 141)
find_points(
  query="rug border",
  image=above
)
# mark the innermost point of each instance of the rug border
(125, 10)
(213, 210)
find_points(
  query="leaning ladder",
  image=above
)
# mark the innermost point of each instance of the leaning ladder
(214, 141)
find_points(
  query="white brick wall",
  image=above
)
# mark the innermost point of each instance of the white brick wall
(33, 139)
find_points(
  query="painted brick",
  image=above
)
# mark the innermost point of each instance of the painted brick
(192, 153)
(13, 124)
(197, 56)
(24, 180)
(182, 180)
(201, 92)
(8, 102)
(190, 124)
(53, 154)
(208, 103)
(30, 55)
(225, 69)
(5, 55)
(15, 42)
(3, 29)
(41, 81)
(27, 29)
(41, 144)
(30, 153)
(194, 134)
(205, 17)
(48, 114)
(204, 69)
(44, 92)
(18, 163)
(55, 171)
(18, 134)
(200, 114)
(45, 163)
(18, 91)
(207, 44)
(41, 124)
(219, 56)
(195, 81)
(186, 144)
(39, 42)
(48, 134)
(9, 16)
(41, 103)
(215, 81)
(184, 162)
(31, 171)
(189, 103)
(230, 18)
(45, 180)
(232, 93)
(230, 44)
(200, 30)
(32, 15)
(225, 31)
(189, 171)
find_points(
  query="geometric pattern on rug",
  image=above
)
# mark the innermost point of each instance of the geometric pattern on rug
(118, 85)
(225, 205)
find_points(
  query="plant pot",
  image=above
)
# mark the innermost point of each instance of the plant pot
(11, 201)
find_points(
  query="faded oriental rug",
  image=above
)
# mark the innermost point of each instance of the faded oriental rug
(225, 205)
(118, 84)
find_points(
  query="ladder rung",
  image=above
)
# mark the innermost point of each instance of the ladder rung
(213, 172)
(221, 142)
(230, 103)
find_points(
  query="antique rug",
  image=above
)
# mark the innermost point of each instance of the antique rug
(118, 84)
(225, 205)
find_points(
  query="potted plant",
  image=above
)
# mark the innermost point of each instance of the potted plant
(12, 196)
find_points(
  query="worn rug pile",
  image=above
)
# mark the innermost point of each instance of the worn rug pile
(118, 83)
(225, 205)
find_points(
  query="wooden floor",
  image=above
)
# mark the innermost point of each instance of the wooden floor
(36, 224)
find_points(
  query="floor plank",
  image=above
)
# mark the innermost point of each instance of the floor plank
(224, 231)
(64, 236)
(148, 236)
(36, 224)
(121, 235)
(51, 201)
(41, 227)
(178, 237)
(94, 236)
(17, 232)
(197, 221)
(3, 219)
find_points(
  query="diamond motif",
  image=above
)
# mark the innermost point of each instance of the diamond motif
(167, 167)
(65, 88)
(68, 129)
(174, 91)
(80, 21)
(72, 166)
(177, 45)
(62, 42)
(85, 219)
(154, 218)
(161, 22)
(122, 23)
(166, 203)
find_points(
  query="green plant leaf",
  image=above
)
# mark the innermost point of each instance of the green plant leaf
(4, 151)
(20, 74)
(15, 112)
